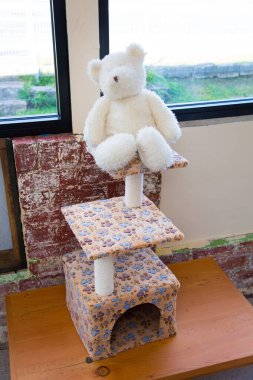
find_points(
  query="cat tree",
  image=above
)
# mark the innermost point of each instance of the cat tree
(119, 293)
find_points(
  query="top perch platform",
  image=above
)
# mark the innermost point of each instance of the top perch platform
(137, 167)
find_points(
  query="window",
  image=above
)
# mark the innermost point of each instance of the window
(34, 72)
(12, 252)
(199, 54)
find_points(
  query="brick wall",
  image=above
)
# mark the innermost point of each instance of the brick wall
(233, 254)
(52, 172)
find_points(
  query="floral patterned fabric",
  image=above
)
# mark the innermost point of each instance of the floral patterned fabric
(108, 227)
(140, 279)
(136, 166)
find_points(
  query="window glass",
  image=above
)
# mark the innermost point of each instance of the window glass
(197, 51)
(27, 69)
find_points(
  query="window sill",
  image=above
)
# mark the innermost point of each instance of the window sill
(215, 121)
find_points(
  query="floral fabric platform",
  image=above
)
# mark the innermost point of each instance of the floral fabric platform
(108, 227)
(140, 310)
(136, 166)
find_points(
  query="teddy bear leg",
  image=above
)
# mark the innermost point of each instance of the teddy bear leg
(154, 151)
(115, 152)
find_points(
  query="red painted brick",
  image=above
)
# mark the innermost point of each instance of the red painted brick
(82, 175)
(246, 247)
(83, 147)
(155, 198)
(69, 153)
(115, 189)
(66, 233)
(43, 251)
(233, 262)
(3, 323)
(41, 226)
(152, 183)
(219, 251)
(86, 157)
(41, 200)
(176, 257)
(26, 155)
(66, 137)
(3, 320)
(46, 138)
(49, 265)
(200, 253)
(28, 284)
(91, 174)
(70, 246)
(242, 279)
(40, 217)
(73, 195)
(51, 280)
(68, 177)
(3, 338)
(216, 252)
(247, 275)
(2, 304)
(10, 287)
(36, 182)
(48, 155)
(26, 140)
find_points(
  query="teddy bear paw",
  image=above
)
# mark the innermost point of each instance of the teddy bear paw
(175, 135)
(115, 152)
(154, 151)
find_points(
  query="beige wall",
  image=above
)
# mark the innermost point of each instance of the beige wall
(213, 196)
(83, 40)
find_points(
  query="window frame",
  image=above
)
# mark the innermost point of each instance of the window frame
(35, 125)
(184, 111)
(14, 258)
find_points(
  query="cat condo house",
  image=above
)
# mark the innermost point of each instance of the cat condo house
(119, 293)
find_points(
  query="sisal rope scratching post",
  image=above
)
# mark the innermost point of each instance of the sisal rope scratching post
(104, 275)
(134, 190)
(104, 267)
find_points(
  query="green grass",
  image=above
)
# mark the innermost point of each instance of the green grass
(37, 103)
(197, 90)
(38, 80)
(172, 91)
(38, 111)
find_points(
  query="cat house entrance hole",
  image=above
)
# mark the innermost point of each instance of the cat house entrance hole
(138, 325)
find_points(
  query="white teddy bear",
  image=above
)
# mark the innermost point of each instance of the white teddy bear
(128, 118)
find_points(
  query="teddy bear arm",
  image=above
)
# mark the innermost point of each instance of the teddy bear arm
(94, 129)
(165, 119)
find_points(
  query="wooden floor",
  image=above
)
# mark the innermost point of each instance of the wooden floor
(214, 333)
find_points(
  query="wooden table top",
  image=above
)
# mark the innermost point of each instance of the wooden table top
(214, 333)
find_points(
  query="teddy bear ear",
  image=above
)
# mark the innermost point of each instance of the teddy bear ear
(93, 70)
(136, 51)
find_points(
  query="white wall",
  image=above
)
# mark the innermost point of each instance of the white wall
(213, 196)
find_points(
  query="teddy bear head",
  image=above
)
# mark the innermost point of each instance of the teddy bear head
(120, 75)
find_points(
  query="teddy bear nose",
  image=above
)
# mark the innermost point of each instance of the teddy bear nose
(116, 78)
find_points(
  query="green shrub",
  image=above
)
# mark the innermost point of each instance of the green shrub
(39, 100)
(39, 80)
(185, 90)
